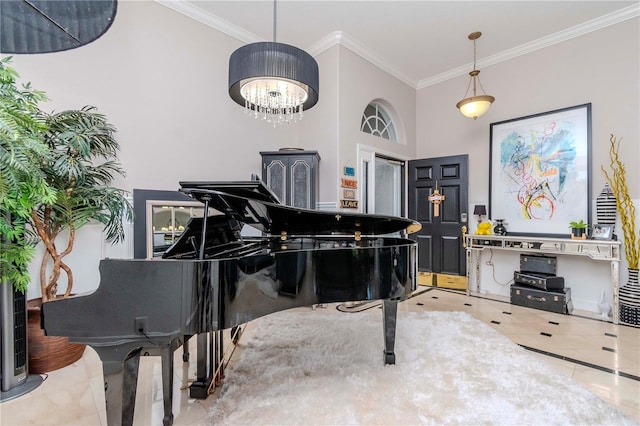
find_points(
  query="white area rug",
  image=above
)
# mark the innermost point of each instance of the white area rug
(302, 368)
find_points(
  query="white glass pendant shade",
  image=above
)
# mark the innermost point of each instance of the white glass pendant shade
(475, 106)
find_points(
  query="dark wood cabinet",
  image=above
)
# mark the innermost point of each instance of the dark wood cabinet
(293, 176)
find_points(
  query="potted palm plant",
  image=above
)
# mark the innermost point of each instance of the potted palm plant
(22, 182)
(80, 169)
(23, 187)
(56, 172)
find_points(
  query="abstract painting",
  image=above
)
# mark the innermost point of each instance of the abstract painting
(540, 171)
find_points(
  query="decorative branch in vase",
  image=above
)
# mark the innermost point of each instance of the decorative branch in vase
(629, 294)
(618, 182)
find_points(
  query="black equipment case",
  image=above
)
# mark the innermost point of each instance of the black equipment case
(538, 264)
(552, 301)
(541, 281)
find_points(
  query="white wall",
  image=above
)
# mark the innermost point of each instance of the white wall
(166, 92)
(601, 68)
(348, 83)
(360, 83)
(161, 78)
(320, 131)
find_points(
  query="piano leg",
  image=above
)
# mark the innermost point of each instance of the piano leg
(166, 354)
(199, 389)
(185, 348)
(389, 314)
(120, 382)
(219, 357)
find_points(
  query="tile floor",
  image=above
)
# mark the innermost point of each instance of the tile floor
(601, 356)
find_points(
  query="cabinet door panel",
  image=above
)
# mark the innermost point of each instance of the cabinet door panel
(277, 179)
(301, 184)
(292, 175)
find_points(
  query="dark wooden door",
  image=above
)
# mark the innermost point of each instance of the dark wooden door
(440, 241)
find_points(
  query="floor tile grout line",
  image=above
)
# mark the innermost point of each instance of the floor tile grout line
(583, 363)
(558, 356)
(489, 299)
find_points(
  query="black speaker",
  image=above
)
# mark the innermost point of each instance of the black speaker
(13, 337)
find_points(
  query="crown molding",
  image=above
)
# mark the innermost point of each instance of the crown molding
(604, 21)
(343, 39)
(194, 12)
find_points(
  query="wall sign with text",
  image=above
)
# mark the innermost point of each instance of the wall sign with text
(349, 204)
(349, 194)
(349, 183)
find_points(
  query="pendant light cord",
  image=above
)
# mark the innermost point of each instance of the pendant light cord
(474, 54)
(474, 67)
(274, 21)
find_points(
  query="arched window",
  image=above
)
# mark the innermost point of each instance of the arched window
(377, 121)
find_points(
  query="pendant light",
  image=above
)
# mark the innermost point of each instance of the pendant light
(475, 106)
(273, 81)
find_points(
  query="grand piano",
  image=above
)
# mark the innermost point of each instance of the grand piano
(214, 278)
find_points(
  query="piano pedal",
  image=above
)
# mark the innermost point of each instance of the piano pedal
(200, 389)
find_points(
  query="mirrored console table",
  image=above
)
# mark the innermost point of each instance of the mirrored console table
(599, 250)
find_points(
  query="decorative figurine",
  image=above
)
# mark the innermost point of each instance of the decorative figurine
(500, 227)
(484, 228)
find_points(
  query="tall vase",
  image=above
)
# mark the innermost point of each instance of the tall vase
(629, 300)
(606, 208)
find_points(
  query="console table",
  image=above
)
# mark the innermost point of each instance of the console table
(602, 250)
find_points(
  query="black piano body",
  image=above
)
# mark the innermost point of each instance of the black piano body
(223, 280)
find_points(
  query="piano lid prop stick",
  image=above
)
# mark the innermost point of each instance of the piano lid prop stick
(206, 199)
(234, 342)
(235, 337)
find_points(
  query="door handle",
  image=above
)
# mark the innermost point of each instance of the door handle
(464, 234)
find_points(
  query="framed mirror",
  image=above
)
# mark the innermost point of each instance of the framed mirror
(166, 220)
(160, 218)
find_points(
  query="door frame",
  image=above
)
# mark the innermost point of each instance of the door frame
(368, 153)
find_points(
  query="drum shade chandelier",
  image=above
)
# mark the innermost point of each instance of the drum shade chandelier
(475, 106)
(40, 26)
(273, 81)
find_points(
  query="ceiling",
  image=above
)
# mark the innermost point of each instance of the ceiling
(419, 42)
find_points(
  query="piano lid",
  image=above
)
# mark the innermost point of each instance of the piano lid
(255, 189)
(251, 202)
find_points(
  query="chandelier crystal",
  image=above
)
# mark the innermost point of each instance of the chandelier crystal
(276, 100)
